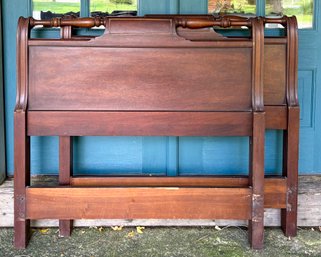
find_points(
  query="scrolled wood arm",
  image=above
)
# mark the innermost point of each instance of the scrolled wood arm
(292, 61)
(22, 63)
(257, 59)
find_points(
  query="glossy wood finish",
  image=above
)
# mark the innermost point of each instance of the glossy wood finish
(291, 135)
(274, 188)
(135, 203)
(309, 204)
(159, 75)
(22, 141)
(280, 99)
(196, 22)
(276, 117)
(275, 55)
(76, 123)
(65, 156)
(257, 141)
(21, 180)
(290, 169)
(274, 74)
(128, 85)
(256, 223)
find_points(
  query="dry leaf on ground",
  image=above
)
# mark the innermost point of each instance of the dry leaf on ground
(44, 231)
(131, 234)
(217, 228)
(117, 228)
(140, 230)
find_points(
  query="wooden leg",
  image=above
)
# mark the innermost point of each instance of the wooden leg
(21, 180)
(290, 170)
(256, 177)
(65, 171)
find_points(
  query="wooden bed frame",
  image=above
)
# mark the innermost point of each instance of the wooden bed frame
(280, 100)
(83, 91)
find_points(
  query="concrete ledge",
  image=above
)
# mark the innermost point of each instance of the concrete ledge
(308, 210)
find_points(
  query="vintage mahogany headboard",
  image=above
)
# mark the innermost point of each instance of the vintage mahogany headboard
(141, 78)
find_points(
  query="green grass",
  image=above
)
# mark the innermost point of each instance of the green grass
(242, 8)
(98, 5)
(56, 7)
(107, 6)
(111, 7)
(304, 19)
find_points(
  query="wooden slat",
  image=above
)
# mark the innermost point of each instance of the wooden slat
(130, 41)
(135, 203)
(44, 123)
(274, 188)
(308, 209)
(161, 181)
(276, 117)
(275, 40)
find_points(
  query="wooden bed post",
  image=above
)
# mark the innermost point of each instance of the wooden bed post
(256, 173)
(291, 134)
(256, 180)
(65, 154)
(21, 139)
(290, 170)
(65, 172)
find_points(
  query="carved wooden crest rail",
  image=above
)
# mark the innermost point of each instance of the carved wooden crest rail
(179, 80)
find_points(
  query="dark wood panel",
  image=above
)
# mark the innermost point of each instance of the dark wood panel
(276, 117)
(139, 79)
(48, 123)
(137, 203)
(275, 74)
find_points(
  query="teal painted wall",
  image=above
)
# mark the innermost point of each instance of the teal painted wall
(171, 155)
(2, 126)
